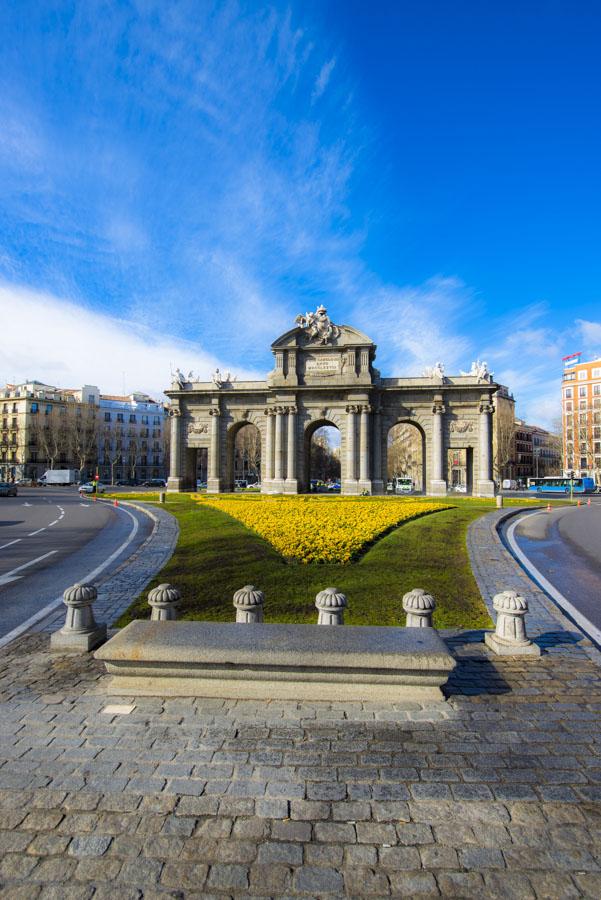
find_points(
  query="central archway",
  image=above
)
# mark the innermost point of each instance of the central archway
(322, 468)
(405, 459)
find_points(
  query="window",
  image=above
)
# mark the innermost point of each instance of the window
(144, 420)
(132, 418)
(119, 417)
(157, 420)
(582, 391)
(48, 409)
(597, 390)
(582, 404)
(568, 406)
(34, 408)
(582, 375)
(583, 463)
(14, 407)
(107, 417)
(91, 399)
(568, 393)
(596, 373)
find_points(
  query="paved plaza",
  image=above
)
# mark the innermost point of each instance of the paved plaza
(496, 792)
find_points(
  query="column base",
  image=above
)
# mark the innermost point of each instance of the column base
(485, 489)
(277, 486)
(438, 488)
(350, 486)
(364, 486)
(291, 486)
(175, 483)
(377, 486)
(214, 486)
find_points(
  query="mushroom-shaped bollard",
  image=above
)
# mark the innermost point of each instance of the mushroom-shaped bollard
(80, 631)
(249, 602)
(164, 601)
(331, 604)
(510, 636)
(419, 606)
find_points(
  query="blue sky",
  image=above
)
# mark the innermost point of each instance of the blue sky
(178, 181)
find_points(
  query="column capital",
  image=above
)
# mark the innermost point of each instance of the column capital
(214, 411)
(486, 407)
(291, 410)
(270, 411)
(173, 412)
(353, 408)
(438, 408)
(366, 408)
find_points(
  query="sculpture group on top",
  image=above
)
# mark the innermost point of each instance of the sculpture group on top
(318, 325)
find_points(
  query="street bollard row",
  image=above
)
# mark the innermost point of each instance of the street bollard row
(81, 632)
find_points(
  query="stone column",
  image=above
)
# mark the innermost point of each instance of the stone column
(350, 486)
(364, 449)
(278, 479)
(176, 479)
(291, 486)
(377, 485)
(437, 483)
(486, 486)
(214, 479)
(267, 464)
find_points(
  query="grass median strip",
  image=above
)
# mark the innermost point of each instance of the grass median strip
(217, 554)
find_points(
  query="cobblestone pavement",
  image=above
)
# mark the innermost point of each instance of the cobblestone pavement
(118, 589)
(495, 793)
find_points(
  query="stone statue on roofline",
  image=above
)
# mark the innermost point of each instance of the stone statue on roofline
(178, 378)
(479, 370)
(318, 325)
(220, 379)
(435, 372)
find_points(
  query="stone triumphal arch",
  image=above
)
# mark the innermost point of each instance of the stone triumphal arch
(325, 374)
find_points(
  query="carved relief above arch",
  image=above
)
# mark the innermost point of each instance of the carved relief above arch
(325, 414)
(239, 418)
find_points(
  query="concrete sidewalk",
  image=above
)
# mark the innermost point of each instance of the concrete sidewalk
(496, 792)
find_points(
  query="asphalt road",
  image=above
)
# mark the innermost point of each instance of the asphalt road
(50, 538)
(565, 546)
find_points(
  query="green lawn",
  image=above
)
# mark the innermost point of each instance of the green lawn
(216, 555)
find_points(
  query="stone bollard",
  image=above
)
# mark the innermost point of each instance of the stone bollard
(331, 604)
(80, 631)
(499, 501)
(162, 496)
(164, 601)
(419, 607)
(249, 602)
(510, 636)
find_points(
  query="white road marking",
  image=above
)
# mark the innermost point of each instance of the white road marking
(27, 504)
(10, 543)
(12, 575)
(591, 630)
(42, 613)
(32, 533)
(52, 523)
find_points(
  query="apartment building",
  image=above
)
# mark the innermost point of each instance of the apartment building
(46, 427)
(581, 417)
(537, 452)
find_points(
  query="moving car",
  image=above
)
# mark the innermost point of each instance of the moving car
(91, 487)
(7, 489)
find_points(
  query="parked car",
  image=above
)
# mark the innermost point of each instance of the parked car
(201, 485)
(91, 487)
(334, 486)
(155, 482)
(7, 489)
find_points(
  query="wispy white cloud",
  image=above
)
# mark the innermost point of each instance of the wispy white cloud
(323, 78)
(590, 333)
(67, 344)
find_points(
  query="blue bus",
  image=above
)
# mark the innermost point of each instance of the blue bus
(561, 485)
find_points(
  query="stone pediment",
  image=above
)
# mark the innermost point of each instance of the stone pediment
(344, 336)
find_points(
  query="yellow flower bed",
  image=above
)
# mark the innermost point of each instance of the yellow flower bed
(312, 530)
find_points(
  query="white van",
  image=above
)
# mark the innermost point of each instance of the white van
(509, 484)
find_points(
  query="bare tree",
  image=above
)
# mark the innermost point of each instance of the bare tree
(51, 435)
(83, 433)
(325, 458)
(132, 453)
(248, 447)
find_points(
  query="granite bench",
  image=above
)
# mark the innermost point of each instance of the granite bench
(279, 661)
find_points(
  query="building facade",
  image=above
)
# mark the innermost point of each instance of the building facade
(581, 417)
(45, 427)
(537, 452)
(325, 375)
